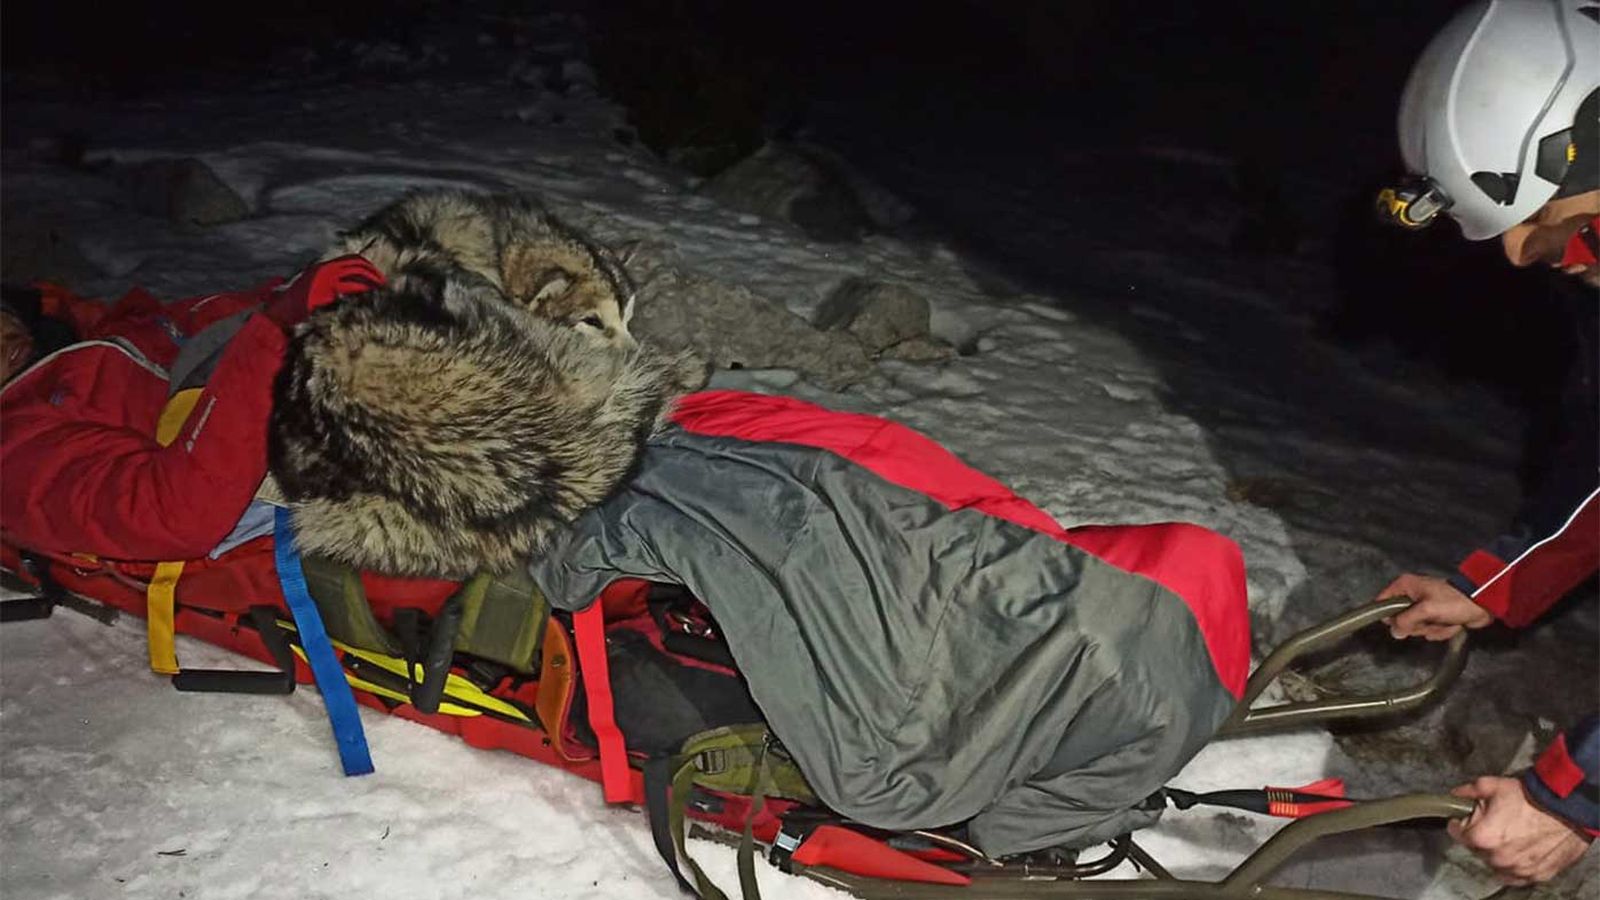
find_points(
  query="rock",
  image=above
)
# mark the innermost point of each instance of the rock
(879, 314)
(919, 350)
(185, 191)
(885, 210)
(68, 148)
(735, 328)
(578, 76)
(523, 71)
(781, 181)
(39, 251)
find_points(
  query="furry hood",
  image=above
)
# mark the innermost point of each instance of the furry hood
(441, 434)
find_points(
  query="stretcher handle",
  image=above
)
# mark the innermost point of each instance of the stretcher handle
(1246, 878)
(1245, 882)
(235, 681)
(1246, 720)
(26, 609)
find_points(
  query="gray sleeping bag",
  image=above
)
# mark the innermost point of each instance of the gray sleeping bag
(925, 665)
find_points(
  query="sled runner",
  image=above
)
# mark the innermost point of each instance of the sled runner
(779, 594)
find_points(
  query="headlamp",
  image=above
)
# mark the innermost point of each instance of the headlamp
(1414, 203)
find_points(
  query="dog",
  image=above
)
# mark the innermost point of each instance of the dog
(535, 260)
(438, 431)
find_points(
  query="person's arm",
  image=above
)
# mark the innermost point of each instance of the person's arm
(1520, 575)
(1552, 547)
(1566, 779)
(76, 484)
(77, 479)
(1530, 829)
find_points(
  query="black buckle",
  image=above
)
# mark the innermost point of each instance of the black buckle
(793, 828)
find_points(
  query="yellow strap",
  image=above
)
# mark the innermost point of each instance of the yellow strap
(158, 615)
(455, 687)
(362, 684)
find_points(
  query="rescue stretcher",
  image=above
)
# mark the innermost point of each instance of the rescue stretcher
(520, 697)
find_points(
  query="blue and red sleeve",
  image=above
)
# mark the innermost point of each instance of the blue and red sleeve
(1520, 575)
(1566, 779)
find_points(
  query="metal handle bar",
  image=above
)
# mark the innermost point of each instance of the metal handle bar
(1246, 720)
(1297, 834)
(1245, 882)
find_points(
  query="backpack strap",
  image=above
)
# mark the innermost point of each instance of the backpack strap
(744, 760)
(589, 627)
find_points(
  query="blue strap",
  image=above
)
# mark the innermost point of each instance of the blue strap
(336, 696)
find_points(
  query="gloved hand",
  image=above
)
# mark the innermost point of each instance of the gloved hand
(319, 285)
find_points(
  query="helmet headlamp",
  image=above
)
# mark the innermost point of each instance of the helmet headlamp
(1413, 203)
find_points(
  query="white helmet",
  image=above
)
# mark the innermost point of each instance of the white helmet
(1486, 120)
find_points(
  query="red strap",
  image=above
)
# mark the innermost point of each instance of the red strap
(1557, 770)
(589, 625)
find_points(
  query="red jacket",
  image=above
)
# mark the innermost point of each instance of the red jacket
(80, 468)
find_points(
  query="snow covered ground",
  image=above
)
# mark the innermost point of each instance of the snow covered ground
(1115, 387)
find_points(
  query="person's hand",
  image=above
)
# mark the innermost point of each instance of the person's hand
(16, 346)
(320, 285)
(1440, 610)
(1522, 842)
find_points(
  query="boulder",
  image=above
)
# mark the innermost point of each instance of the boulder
(186, 191)
(35, 250)
(890, 320)
(781, 181)
(735, 328)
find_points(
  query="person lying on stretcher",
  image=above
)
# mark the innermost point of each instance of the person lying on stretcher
(92, 464)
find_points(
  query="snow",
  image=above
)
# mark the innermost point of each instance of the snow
(1102, 395)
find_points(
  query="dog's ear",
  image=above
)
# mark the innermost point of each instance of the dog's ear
(626, 253)
(551, 283)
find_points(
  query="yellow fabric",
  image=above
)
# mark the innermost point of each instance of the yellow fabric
(159, 614)
(174, 414)
(159, 595)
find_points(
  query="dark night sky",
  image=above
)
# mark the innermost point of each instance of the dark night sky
(1170, 60)
(1295, 90)
(1305, 83)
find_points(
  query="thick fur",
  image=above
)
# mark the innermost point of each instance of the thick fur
(534, 259)
(444, 434)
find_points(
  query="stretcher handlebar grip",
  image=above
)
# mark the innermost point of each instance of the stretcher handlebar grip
(1248, 720)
